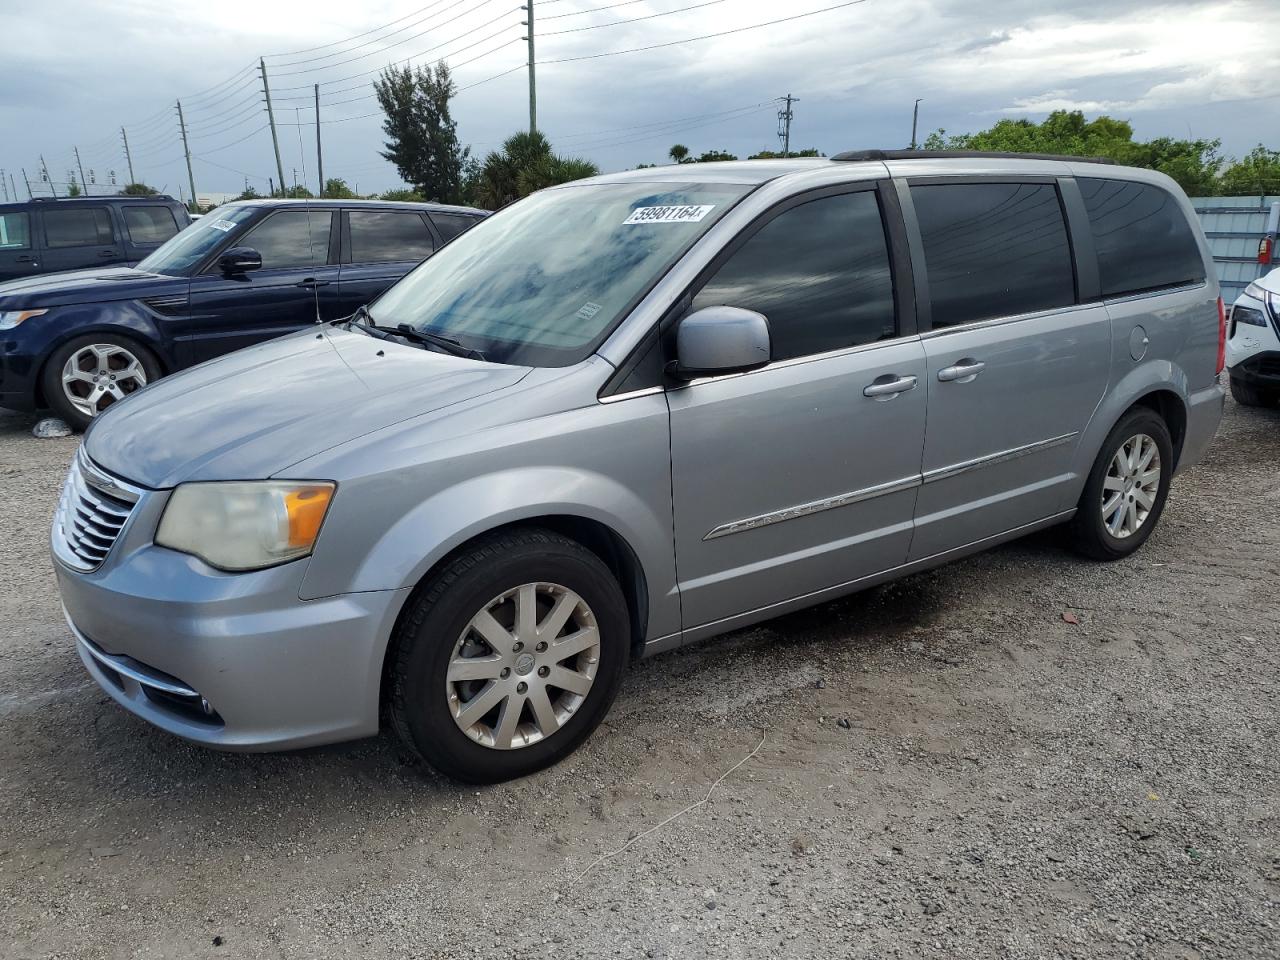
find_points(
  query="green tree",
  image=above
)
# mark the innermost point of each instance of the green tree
(138, 190)
(679, 153)
(249, 194)
(296, 192)
(406, 195)
(73, 189)
(336, 188)
(1257, 173)
(712, 156)
(422, 136)
(1193, 164)
(524, 164)
(777, 155)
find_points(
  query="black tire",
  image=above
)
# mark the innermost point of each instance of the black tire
(51, 378)
(1090, 534)
(1250, 396)
(433, 625)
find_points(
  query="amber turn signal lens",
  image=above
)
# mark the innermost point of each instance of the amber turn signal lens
(306, 509)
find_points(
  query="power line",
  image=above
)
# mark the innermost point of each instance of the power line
(618, 23)
(705, 36)
(334, 43)
(579, 13)
(338, 53)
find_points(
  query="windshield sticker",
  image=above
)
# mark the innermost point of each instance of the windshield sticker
(588, 310)
(680, 214)
(223, 225)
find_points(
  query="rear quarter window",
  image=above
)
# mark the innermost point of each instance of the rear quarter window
(15, 231)
(452, 224)
(1141, 235)
(79, 227)
(149, 224)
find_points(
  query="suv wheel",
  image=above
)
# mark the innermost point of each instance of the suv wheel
(1249, 396)
(508, 657)
(1127, 487)
(86, 375)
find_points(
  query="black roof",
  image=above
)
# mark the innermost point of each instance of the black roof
(100, 197)
(959, 154)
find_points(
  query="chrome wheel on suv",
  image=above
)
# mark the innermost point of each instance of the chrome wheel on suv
(1131, 486)
(85, 376)
(98, 374)
(523, 666)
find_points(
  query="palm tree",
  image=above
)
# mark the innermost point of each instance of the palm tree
(525, 164)
(678, 153)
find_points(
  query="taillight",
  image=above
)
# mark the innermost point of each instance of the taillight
(1264, 250)
(1222, 335)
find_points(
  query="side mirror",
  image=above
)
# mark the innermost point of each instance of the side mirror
(239, 260)
(721, 340)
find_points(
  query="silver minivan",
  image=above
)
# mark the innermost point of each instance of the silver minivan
(626, 414)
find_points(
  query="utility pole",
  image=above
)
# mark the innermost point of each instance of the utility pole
(84, 184)
(191, 177)
(915, 116)
(30, 195)
(784, 124)
(14, 191)
(271, 187)
(44, 167)
(4, 183)
(271, 119)
(533, 83)
(319, 156)
(127, 155)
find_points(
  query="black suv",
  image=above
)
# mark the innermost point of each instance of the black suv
(48, 235)
(246, 272)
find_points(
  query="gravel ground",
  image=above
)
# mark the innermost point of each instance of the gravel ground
(1021, 755)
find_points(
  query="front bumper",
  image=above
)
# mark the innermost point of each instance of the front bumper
(232, 661)
(1259, 370)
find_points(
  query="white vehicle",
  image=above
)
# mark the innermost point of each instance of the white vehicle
(1253, 343)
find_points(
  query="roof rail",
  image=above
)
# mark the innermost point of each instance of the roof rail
(100, 196)
(959, 154)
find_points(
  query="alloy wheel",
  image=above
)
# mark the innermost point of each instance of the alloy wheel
(99, 374)
(523, 666)
(1130, 486)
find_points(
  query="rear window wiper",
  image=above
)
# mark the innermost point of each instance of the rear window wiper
(423, 337)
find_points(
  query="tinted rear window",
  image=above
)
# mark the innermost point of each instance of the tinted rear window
(378, 236)
(78, 227)
(993, 250)
(451, 224)
(149, 223)
(1143, 239)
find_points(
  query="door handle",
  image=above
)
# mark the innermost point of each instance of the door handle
(963, 371)
(312, 283)
(888, 387)
(26, 260)
(106, 253)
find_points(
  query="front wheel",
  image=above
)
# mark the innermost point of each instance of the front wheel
(509, 657)
(86, 375)
(1127, 487)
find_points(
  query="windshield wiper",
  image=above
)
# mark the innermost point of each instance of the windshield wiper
(423, 337)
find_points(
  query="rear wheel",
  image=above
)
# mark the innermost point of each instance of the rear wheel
(86, 375)
(1127, 487)
(1251, 396)
(509, 656)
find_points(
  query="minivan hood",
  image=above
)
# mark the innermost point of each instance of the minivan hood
(83, 286)
(252, 413)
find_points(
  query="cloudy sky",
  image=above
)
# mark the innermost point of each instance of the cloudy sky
(76, 71)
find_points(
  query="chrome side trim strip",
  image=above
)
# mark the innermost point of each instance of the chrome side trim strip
(944, 473)
(815, 506)
(642, 392)
(122, 666)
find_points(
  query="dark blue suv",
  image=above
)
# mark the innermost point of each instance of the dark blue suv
(244, 273)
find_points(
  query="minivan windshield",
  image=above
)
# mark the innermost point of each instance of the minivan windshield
(180, 254)
(544, 281)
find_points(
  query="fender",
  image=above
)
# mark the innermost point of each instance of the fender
(417, 541)
(125, 318)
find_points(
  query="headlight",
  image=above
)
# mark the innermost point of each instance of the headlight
(1248, 315)
(11, 318)
(245, 525)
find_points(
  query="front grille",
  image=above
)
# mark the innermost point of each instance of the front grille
(91, 514)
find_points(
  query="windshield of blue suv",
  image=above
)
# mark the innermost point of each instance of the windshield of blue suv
(179, 255)
(544, 281)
